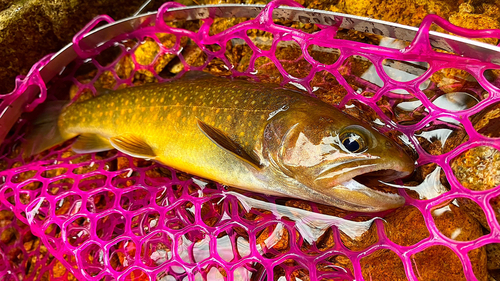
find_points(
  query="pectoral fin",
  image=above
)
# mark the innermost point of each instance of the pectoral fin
(133, 146)
(223, 141)
(90, 143)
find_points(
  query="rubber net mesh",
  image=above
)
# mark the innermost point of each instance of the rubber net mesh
(109, 216)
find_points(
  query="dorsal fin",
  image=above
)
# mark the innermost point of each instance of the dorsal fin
(133, 146)
(222, 140)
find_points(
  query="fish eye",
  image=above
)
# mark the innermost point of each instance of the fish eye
(353, 142)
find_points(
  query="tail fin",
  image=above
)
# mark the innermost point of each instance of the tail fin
(45, 133)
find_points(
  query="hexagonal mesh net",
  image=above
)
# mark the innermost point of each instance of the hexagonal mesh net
(107, 216)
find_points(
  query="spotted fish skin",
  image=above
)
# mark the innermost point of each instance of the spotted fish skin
(165, 117)
(257, 137)
(167, 114)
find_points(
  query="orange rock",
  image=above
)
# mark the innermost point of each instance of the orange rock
(383, 265)
(399, 222)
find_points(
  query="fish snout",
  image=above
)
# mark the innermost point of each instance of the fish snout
(356, 191)
(403, 164)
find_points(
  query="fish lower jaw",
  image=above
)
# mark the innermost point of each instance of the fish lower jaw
(358, 197)
(349, 194)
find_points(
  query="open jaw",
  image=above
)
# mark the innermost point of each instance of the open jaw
(358, 194)
(375, 177)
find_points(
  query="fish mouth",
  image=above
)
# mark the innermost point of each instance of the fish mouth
(384, 175)
(363, 192)
(362, 170)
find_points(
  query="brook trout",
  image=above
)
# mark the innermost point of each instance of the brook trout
(256, 137)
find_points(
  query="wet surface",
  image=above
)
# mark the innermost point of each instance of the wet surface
(277, 231)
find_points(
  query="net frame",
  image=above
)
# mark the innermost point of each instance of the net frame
(40, 212)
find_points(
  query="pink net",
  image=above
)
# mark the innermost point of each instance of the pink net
(109, 216)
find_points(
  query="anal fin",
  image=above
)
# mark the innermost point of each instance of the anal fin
(222, 140)
(90, 143)
(133, 146)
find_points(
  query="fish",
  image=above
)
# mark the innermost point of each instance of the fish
(253, 136)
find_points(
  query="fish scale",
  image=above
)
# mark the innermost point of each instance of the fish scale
(230, 106)
(253, 136)
(166, 115)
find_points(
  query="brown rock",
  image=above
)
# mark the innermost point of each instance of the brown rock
(495, 204)
(465, 17)
(398, 223)
(329, 89)
(438, 263)
(383, 265)
(4, 4)
(34, 28)
(26, 251)
(400, 11)
(473, 168)
(487, 122)
(456, 223)
(474, 210)
(279, 245)
(330, 264)
(406, 227)
(493, 252)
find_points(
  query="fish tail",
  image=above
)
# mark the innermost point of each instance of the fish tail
(45, 132)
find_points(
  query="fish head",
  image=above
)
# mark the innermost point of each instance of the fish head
(337, 157)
